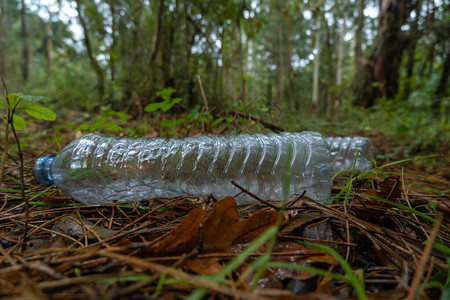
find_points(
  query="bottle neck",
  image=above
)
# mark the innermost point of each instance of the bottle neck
(43, 169)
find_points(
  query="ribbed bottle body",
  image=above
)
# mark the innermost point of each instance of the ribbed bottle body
(98, 169)
(345, 149)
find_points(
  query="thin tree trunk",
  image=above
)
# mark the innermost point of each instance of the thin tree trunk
(50, 52)
(244, 71)
(224, 85)
(236, 60)
(337, 104)
(315, 89)
(94, 63)
(60, 30)
(443, 82)
(290, 91)
(112, 52)
(330, 91)
(411, 51)
(25, 47)
(358, 73)
(3, 35)
(280, 66)
(158, 32)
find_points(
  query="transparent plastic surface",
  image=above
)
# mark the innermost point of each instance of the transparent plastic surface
(345, 149)
(99, 169)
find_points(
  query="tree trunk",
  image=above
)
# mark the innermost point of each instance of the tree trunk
(280, 66)
(330, 91)
(60, 30)
(3, 35)
(384, 63)
(50, 52)
(112, 51)
(443, 82)
(315, 89)
(157, 33)
(94, 63)
(337, 103)
(25, 47)
(411, 51)
(359, 72)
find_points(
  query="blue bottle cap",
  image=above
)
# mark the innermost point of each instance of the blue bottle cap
(42, 169)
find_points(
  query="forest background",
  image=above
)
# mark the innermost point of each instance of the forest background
(334, 66)
(177, 68)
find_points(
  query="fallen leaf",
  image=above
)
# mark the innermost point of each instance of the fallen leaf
(182, 238)
(203, 266)
(296, 226)
(219, 229)
(73, 225)
(389, 189)
(164, 216)
(324, 286)
(372, 209)
(223, 228)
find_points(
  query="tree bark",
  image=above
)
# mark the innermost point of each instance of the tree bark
(25, 47)
(3, 35)
(93, 61)
(359, 72)
(315, 89)
(112, 51)
(384, 62)
(330, 91)
(157, 33)
(50, 51)
(443, 82)
(337, 103)
(411, 51)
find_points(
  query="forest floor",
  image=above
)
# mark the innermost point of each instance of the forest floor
(386, 236)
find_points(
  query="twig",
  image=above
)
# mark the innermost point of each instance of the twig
(264, 123)
(8, 120)
(423, 262)
(205, 108)
(409, 204)
(254, 196)
(203, 92)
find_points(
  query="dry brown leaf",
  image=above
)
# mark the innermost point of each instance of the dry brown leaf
(255, 225)
(324, 286)
(306, 254)
(219, 229)
(182, 238)
(203, 266)
(222, 227)
(371, 209)
(298, 224)
(390, 189)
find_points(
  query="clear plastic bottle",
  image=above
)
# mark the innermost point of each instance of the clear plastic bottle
(99, 169)
(345, 149)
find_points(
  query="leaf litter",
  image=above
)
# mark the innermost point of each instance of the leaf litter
(174, 247)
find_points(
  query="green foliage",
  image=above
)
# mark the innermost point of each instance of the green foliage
(107, 120)
(167, 103)
(20, 103)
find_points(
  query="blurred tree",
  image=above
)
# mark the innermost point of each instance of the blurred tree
(87, 42)
(3, 36)
(384, 62)
(25, 46)
(317, 49)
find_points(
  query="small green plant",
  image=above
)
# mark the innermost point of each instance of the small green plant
(20, 103)
(197, 117)
(167, 103)
(105, 121)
